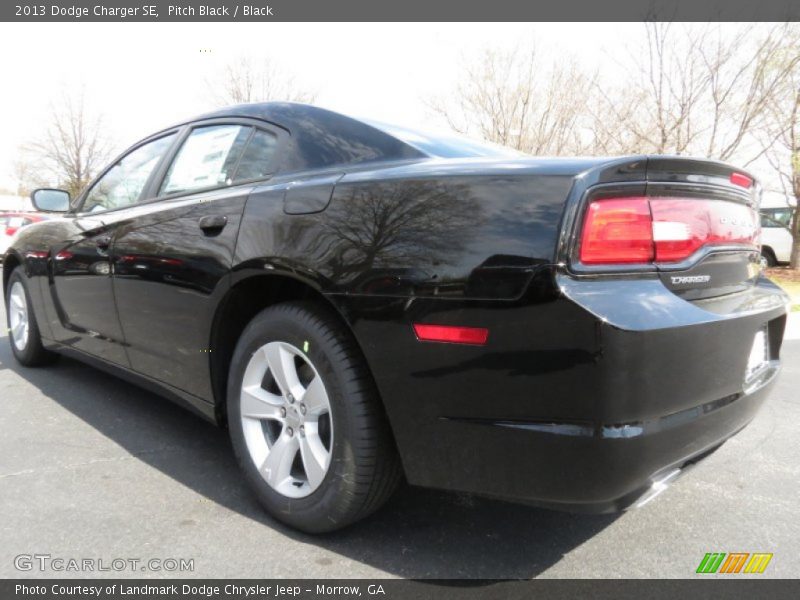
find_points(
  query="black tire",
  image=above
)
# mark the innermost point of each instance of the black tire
(769, 257)
(33, 354)
(364, 468)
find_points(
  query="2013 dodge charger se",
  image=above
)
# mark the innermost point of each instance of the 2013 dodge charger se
(358, 302)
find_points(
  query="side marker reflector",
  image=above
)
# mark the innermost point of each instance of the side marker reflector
(451, 334)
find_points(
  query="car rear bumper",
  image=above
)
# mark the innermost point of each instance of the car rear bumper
(587, 395)
(607, 467)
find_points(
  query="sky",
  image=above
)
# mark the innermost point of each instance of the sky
(145, 76)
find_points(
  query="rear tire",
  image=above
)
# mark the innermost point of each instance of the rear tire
(23, 332)
(309, 431)
(768, 258)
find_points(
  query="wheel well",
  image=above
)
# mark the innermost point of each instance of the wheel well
(10, 263)
(243, 302)
(765, 248)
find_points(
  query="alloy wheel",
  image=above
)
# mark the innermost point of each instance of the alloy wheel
(286, 419)
(18, 316)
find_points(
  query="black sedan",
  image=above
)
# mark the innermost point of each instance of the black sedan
(358, 303)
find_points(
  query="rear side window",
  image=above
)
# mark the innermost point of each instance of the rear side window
(208, 158)
(256, 161)
(122, 185)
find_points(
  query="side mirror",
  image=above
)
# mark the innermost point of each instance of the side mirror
(49, 200)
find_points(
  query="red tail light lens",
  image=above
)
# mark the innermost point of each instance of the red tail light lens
(618, 231)
(11, 230)
(681, 226)
(641, 230)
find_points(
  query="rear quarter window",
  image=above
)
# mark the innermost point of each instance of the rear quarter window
(257, 159)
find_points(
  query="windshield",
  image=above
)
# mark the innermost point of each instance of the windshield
(446, 145)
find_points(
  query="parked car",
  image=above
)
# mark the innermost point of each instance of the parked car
(776, 237)
(358, 303)
(11, 222)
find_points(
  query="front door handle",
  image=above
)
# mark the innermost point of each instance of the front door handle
(212, 223)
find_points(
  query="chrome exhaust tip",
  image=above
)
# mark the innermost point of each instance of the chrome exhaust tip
(657, 487)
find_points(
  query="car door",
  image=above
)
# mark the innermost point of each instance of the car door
(82, 313)
(172, 260)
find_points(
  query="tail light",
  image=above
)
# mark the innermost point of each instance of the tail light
(11, 230)
(642, 230)
(618, 231)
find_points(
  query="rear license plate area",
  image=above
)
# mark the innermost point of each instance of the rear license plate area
(758, 359)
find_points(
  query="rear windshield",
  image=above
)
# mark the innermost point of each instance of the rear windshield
(446, 145)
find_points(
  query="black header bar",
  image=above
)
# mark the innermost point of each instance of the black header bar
(398, 10)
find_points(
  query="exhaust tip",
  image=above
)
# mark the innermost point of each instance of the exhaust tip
(657, 487)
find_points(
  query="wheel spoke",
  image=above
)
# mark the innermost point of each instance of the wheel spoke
(315, 457)
(315, 397)
(281, 365)
(18, 302)
(18, 316)
(278, 465)
(258, 403)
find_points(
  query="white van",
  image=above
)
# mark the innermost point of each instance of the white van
(776, 217)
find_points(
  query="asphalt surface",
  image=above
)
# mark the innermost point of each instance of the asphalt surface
(92, 467)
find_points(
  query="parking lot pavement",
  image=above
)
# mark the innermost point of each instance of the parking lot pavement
(92, 467)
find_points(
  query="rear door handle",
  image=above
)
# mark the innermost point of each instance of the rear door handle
(212, 223)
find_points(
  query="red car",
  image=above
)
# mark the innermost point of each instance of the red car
(11, 222)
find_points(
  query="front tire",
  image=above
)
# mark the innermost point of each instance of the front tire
(305, 420)
(23, 332)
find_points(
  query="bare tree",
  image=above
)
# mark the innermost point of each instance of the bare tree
(514, 98)
(654, 108)
(781, 136)
(27, 176)
(689, 89)
(700, 90)
(71, 150)
(249, 79)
